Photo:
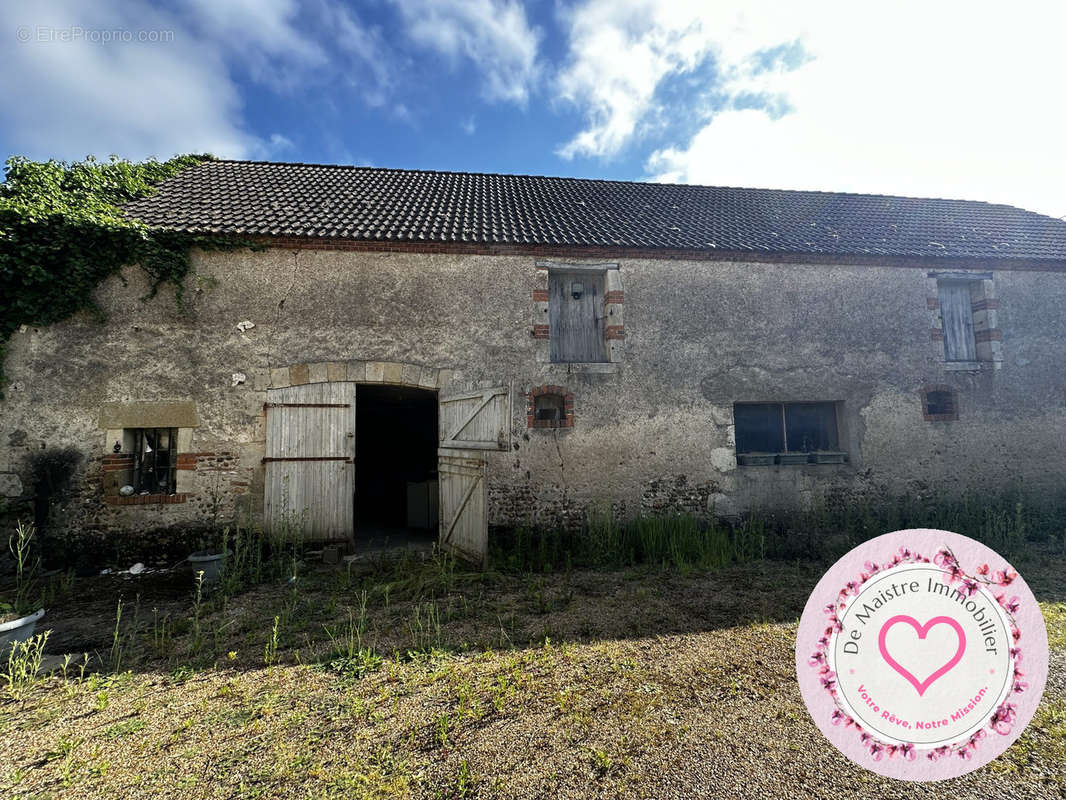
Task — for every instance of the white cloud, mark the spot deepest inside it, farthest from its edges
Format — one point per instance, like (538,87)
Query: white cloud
(493,34)
(371,65)
(69,97)
(953,98)
(622,51)
(267,33)
(72,98)
(279,143)
(946,100)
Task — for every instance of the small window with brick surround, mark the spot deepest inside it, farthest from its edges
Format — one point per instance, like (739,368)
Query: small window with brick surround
(939,404)
(146,461)
(550,407)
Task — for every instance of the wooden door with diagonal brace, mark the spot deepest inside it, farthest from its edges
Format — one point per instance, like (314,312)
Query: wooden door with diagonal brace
(470,424)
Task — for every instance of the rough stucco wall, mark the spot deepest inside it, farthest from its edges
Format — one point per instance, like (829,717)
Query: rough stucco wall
(654,435)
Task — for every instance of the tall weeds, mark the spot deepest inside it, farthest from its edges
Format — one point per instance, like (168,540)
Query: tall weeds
(23,664)
(1008,522)
(681,540)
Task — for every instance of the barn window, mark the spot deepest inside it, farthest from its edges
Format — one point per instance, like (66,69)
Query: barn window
(550,407)
(576,312)
(956,313)
(968,317)
(155,453)
(939,404)
(787,433)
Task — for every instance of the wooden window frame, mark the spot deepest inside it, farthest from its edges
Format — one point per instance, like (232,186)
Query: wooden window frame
(959,339)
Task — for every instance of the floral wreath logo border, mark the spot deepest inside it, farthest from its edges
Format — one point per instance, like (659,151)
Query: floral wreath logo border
(1002,719)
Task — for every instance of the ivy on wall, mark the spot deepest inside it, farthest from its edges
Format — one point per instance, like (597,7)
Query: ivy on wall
(62,233)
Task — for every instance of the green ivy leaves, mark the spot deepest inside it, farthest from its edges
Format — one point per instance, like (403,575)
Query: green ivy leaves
(63,232)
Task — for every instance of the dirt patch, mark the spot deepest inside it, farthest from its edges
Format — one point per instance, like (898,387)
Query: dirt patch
(421,680)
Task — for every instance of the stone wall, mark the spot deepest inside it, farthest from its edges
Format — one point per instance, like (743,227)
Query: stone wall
(652,429)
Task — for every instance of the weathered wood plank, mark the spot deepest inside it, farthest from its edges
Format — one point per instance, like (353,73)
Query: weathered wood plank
(475,420)
(310,454)
(576,324)
(469,421)
(956,311)
(463,505)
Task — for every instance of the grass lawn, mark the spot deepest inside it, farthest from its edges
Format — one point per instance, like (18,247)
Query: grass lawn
(416,679)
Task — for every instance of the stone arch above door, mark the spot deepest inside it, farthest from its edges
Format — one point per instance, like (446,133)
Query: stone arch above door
(391,372)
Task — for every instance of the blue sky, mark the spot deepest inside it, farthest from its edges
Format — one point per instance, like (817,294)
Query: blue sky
(945,99)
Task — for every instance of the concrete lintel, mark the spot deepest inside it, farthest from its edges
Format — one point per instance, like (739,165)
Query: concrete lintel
(568,267)
(149,414)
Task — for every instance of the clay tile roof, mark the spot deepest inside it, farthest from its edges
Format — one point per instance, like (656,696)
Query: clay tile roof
(369,203)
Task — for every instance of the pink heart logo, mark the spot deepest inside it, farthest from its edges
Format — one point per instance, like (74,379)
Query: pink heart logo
(921,630)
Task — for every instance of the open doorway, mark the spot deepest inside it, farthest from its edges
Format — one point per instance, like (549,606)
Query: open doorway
(396,491)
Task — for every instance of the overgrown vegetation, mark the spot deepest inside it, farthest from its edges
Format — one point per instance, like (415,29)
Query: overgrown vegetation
(62,232)
(23,665)
(1007,522)
(410,676)
(683,541)
(26,596)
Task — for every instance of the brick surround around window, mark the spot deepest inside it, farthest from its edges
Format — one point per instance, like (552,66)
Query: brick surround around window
(557,399)
(983,312)
(613,310)
(117,471)
(940,403)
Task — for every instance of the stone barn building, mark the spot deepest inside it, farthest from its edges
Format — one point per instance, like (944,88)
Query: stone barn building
(447,351)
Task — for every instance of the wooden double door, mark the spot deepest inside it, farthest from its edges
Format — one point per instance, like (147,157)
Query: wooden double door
(310,463)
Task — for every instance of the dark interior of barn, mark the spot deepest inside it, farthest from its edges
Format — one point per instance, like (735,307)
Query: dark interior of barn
(395,462)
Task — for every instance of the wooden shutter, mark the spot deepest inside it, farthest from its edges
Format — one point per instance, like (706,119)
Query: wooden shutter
(310,460)
(476,420)
(470,423)
(956,313)
(576,324)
